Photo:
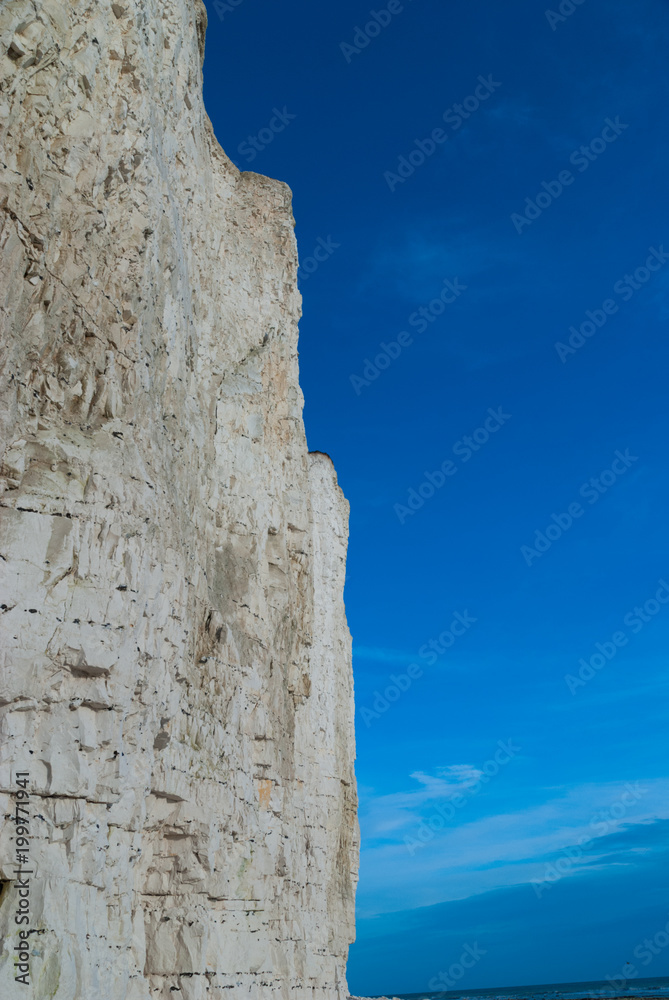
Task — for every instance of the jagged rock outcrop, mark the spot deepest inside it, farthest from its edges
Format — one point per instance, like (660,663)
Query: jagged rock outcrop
(174,658)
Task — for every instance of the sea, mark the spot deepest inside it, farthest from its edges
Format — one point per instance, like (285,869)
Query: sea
(643,988)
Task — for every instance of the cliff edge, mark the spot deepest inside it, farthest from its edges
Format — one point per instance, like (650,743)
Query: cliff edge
(175,665)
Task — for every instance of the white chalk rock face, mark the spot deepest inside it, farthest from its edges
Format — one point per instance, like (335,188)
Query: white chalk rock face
(175,665)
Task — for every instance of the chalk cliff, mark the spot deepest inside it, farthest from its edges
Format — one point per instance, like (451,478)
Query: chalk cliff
(175,665)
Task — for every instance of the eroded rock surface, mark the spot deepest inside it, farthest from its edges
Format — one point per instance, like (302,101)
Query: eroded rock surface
(174,658)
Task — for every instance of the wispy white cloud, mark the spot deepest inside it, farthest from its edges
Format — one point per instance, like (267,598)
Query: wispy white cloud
(395,814)
(468,856)
(390,815)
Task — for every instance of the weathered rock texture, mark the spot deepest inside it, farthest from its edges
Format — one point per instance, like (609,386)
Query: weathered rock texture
(175,662)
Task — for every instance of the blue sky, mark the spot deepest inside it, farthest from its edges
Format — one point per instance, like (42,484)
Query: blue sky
(505,173)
